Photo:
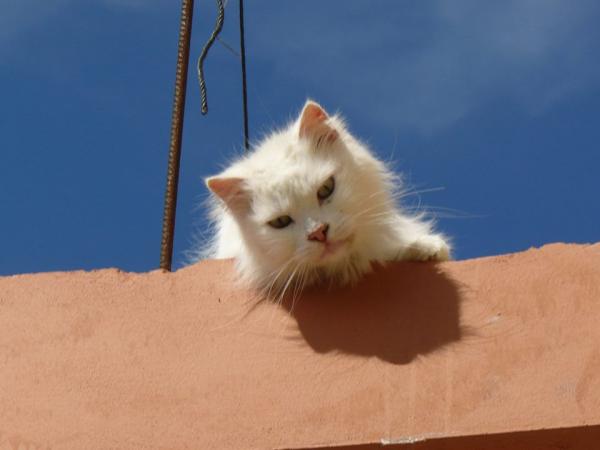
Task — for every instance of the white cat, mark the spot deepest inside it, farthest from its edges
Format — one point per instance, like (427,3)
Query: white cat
(312,202)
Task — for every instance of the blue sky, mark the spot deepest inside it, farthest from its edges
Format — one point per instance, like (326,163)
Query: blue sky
(491,108)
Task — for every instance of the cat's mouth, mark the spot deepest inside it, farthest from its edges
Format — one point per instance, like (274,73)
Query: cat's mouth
(333,248)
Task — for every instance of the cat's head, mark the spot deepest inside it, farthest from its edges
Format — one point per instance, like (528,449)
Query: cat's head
(305,199)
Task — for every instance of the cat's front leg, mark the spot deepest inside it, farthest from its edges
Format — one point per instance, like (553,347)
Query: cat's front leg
(428,247)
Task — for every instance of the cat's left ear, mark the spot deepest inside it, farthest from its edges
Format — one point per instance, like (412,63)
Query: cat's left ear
(231,190)
(314,124)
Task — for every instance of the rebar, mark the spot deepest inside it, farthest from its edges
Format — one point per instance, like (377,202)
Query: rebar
(183,53)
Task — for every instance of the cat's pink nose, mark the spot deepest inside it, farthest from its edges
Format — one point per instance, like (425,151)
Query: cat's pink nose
(319,234)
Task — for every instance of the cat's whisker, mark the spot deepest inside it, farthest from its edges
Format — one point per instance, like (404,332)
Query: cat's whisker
(383,205)
(300,287)
(381,214)
(365,212)
(273,281)
(421,191)
(269,280)
(279,272)
(279,299)
(435,210)
(297,286)
(360,213)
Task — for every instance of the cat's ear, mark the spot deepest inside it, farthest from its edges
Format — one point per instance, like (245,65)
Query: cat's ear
(231,190)
(314,124)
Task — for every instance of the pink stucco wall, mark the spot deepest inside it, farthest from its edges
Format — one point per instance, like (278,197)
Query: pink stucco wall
(416,352)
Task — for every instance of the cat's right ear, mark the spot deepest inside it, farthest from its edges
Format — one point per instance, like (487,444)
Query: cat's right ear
(231,190)
(314,123)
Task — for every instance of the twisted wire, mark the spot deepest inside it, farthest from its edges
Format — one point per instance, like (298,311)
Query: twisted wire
(205,49)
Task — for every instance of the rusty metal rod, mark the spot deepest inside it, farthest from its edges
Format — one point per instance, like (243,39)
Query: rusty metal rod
(183,55)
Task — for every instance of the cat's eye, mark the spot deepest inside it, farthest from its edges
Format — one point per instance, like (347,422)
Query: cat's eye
(326,189)
(280,222)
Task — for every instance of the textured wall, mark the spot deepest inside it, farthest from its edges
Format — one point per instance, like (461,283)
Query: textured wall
(108,359)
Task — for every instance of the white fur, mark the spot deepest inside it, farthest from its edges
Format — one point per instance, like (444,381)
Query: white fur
(281,177)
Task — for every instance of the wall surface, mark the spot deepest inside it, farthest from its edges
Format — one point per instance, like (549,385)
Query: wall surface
(496,348)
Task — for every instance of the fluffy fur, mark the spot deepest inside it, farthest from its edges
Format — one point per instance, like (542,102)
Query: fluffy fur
(336,238)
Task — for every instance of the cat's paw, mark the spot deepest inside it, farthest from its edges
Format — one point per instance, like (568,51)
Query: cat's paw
(431,247)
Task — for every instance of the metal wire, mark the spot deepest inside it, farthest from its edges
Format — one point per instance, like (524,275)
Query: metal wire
(244,91)
(209,43)
(228,47)
(183,54)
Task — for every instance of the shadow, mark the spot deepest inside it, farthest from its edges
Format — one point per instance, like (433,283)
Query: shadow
(395,313)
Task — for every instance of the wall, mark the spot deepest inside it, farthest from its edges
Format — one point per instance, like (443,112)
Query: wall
(496,348)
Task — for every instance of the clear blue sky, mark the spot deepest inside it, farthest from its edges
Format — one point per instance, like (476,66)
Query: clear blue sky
(498,103)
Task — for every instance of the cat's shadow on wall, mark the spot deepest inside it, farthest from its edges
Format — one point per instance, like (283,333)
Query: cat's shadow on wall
(396,313)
